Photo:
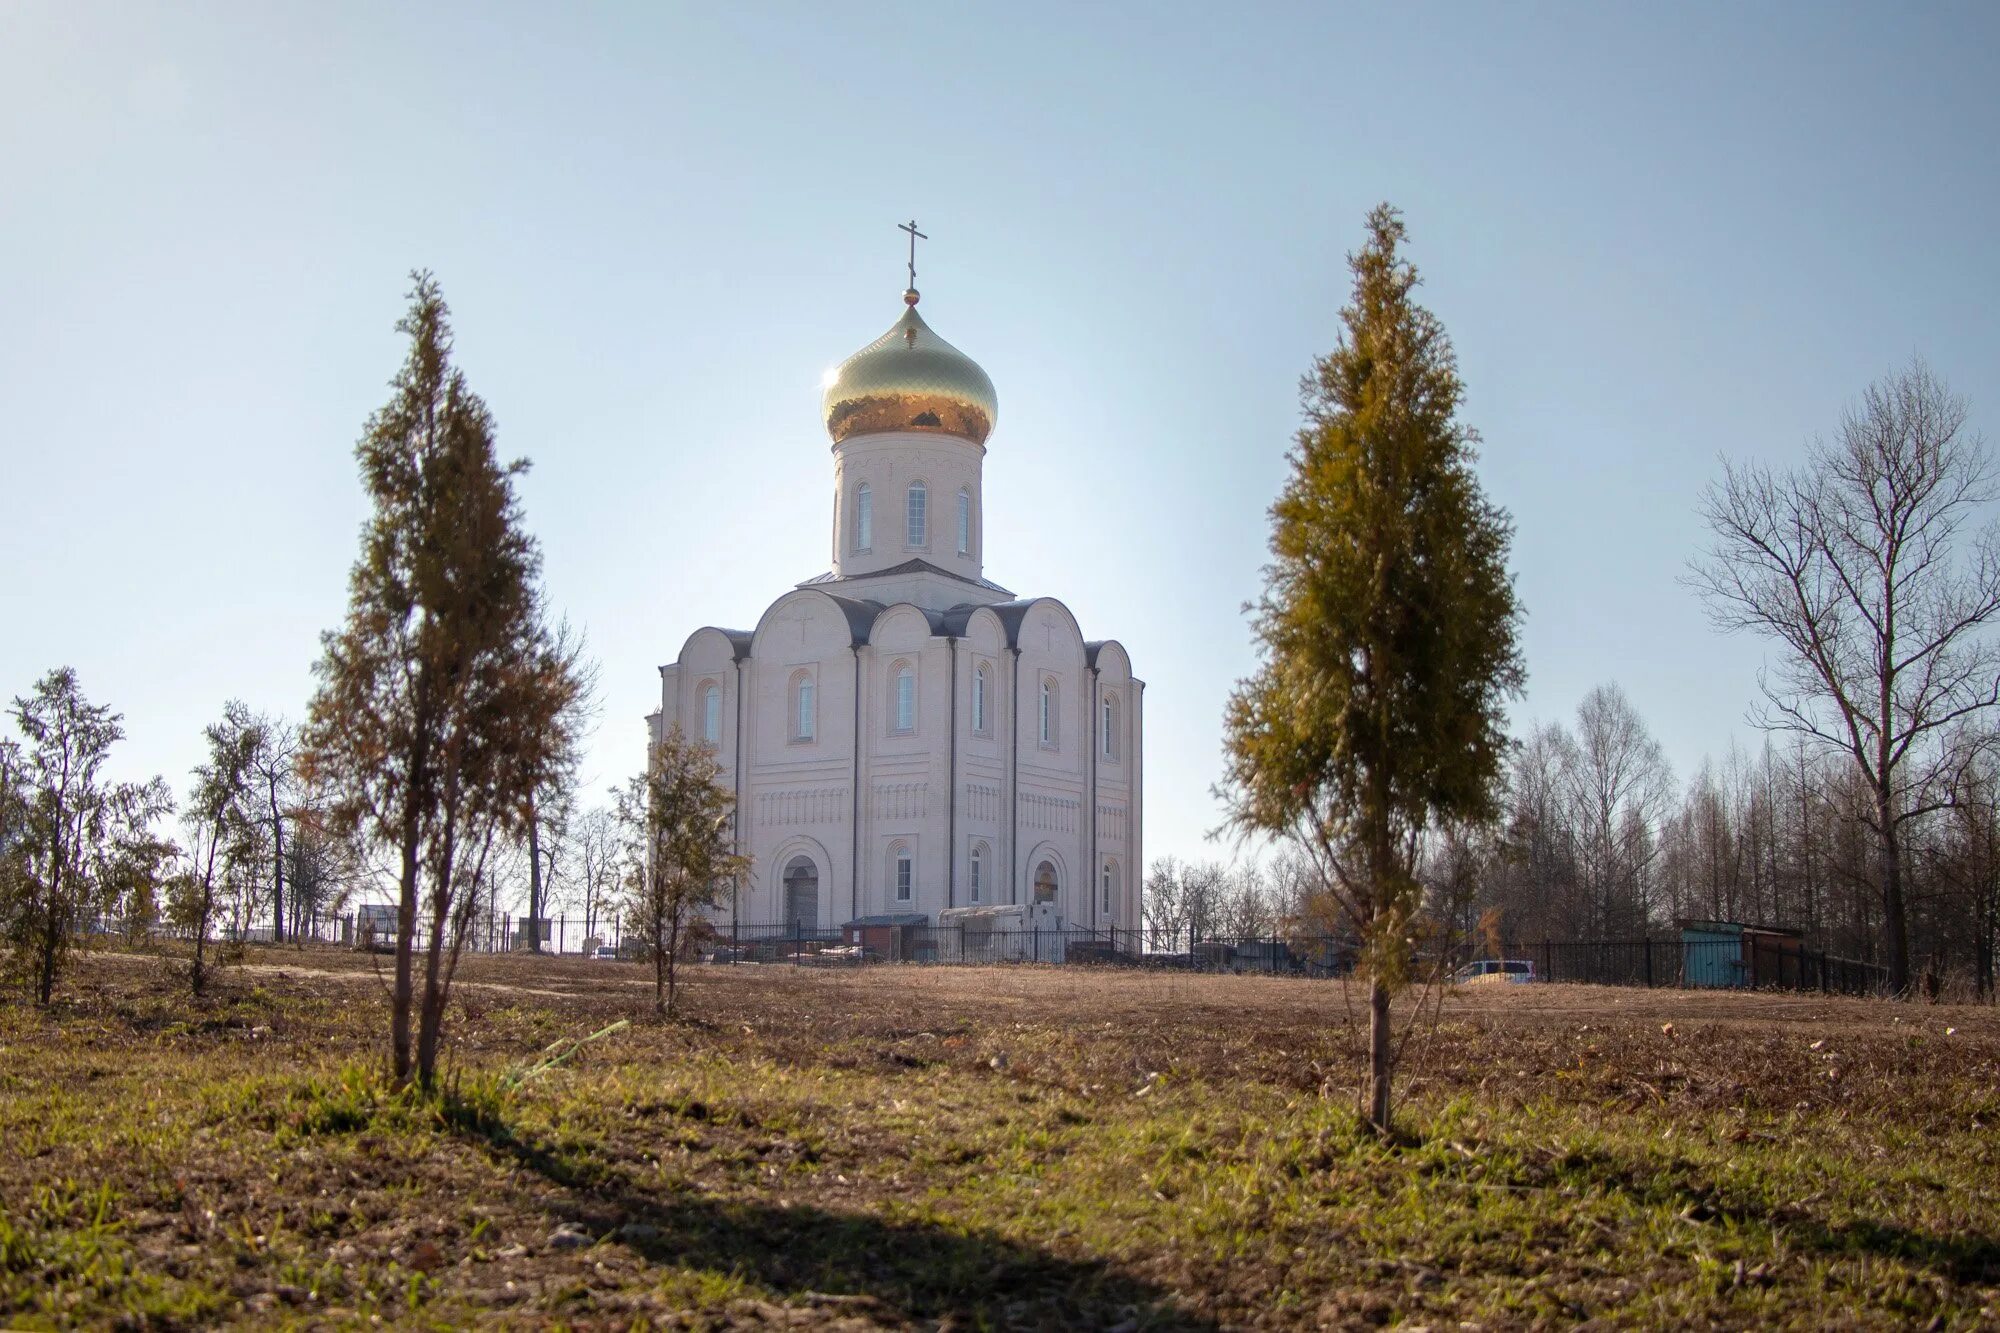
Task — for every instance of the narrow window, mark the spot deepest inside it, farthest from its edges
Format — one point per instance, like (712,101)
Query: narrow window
(711,714)
(906,699)
(978,871)
(965,522)
(864,518)
(979,699)
(1109,728)
(904,874)
(1048,712)
(804,730)
(1109,875)
(919,533)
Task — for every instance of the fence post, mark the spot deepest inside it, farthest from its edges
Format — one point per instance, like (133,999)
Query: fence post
(1649,964)
(1548,962)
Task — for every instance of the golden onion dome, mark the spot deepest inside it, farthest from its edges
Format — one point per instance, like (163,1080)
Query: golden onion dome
(910,379)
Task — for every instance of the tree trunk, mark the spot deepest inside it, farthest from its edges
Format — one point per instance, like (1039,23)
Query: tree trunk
(199,976)
(1378,1056)
(659,976)
(277,870)
(673,956)
(534,880)
(51,944)
(431,1020)
(1895,914)
(406,934)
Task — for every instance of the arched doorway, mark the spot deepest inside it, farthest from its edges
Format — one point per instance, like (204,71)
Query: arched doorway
(802,893)
(1045,882)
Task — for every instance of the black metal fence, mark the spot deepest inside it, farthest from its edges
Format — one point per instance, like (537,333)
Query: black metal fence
(1705,964)
(1753,963)
(1666,962)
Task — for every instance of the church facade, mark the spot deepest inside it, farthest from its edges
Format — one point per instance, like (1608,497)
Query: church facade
(904,735)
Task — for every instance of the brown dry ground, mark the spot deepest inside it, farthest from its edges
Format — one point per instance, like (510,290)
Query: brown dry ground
(981,1147)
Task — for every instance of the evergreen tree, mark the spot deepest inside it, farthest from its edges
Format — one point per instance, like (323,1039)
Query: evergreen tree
(677,850)
(445,699)
(1386,629)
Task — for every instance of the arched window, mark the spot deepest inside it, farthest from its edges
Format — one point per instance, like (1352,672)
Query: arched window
(1048,712)
(964,522)
(1108,725)
(905,697)
(711,713)
(905,868)
(803,702)
(979,698)
(864,518)
(1110,883)
(978,870)
(918,528)
(1045,882)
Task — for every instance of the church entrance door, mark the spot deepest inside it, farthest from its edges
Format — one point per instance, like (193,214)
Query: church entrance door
(802,893)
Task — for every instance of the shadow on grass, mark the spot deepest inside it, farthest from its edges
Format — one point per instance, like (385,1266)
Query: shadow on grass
(893,1271)
(1969,1259)
(1973,1260)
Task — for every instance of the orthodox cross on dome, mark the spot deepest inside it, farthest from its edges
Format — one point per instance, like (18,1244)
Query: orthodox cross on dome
(910,296)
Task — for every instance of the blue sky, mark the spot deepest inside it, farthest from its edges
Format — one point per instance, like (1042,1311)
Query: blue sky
(1656,234)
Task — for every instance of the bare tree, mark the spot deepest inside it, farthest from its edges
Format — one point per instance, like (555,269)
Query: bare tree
(273,771)
(1857,564)
(1620,789)
(1163,904)
(594,852)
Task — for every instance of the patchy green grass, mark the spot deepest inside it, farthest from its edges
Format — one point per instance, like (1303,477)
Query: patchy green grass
(985,1148)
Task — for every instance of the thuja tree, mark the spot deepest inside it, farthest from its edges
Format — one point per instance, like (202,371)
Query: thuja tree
(1386,630)
(676,820)
(445,699)
(74,845)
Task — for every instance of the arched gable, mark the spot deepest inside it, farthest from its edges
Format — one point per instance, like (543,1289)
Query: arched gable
(710,649)
(984,631)
(1113,663)
(805,625)
(903,628)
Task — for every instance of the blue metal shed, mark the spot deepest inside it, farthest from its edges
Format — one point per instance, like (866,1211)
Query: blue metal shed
(1712,954)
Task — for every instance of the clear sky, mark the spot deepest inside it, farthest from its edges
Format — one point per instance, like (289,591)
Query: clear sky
(1656,233)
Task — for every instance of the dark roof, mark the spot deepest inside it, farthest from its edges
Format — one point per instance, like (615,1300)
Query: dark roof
(918,566)
(891,919)
(860,614)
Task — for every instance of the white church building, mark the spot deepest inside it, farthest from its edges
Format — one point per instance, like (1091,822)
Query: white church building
(904,735)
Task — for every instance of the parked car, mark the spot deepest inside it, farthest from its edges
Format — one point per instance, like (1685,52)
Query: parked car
(1495,972)
(605,953)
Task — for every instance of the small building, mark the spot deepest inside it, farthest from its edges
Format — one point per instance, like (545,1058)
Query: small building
(375,926)
(1002,933)
(1733,955)
(889,936)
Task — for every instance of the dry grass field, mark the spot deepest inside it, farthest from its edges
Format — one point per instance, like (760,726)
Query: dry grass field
(968,1148)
